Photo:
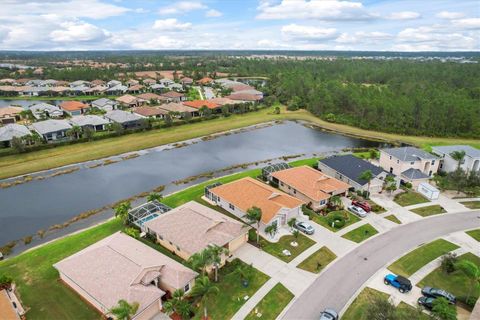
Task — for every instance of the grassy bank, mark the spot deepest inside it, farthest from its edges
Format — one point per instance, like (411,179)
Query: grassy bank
(19,164)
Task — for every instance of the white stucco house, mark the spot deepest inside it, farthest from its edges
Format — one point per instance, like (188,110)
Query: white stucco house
(471,161)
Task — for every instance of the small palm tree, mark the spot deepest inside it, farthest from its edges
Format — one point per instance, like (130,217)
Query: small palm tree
(124,310)
(335,201)
(245,271)
(178,305)
(472,271)
(200,260)
(291,222)
(254,215)
(367,175)
(271,230)
(121,211)
(154,196)
(216,253)
(458,156)
(205,290)
(75,132)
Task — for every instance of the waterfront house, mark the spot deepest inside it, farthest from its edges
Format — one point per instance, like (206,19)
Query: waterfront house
(52,130)
(104,104)
(94,122)
(74,108)
(116,90)
(178,109)
(198,104)
(10,114)
(173,96)
(238,196)
(471,161)
(129,101)
(44,110)
(12,130)
(150,112)
(128,120)
(122,268)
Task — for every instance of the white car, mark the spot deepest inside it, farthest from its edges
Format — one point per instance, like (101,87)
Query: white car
(358,211)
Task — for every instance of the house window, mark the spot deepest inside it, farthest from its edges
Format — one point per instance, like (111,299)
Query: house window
(294,191)
(231,206)
(391,170)
(289,188)
(322,202)
(186,288)
(433,162)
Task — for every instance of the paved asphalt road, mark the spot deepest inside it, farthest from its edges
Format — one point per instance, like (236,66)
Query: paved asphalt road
(334,287)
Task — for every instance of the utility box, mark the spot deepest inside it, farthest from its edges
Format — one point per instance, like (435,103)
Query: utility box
(428,191)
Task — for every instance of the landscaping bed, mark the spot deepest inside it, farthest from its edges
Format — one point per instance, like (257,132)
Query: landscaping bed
(409,198)
(276,248)
(471,204)
(361,233)
(318,260)
(456,282)
(429,210)
(340,219)
(231,291)
(416,259)
(272,304)
(393,218)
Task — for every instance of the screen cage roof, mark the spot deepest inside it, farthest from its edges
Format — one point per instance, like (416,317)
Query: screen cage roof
(146,212)
(274,168)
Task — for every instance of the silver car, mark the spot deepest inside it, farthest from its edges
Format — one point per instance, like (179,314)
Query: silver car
(305,227)
(358,211)
(329,314)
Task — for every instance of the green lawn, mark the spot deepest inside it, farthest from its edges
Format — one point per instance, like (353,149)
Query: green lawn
(429,210)
(230,298)
(415,260)
(318,260)
(456,282)
(312,162)
(38,284)
(409,198)
(358,308)
(393,218)
(475,234)
(471,204)
(276,248)
(323,220)
(272,304)
(361,233)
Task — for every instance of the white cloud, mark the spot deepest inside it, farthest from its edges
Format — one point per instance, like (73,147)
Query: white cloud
(434,38)
(182,7)
(467,23)
(404,15)
(78,32)
(450,15)
(364,37)
(313,9)
(159,42)
(212,13)
(308,33)
(171,25)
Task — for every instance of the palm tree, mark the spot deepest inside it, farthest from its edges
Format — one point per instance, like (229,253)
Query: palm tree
(75,132)
(271,229)
(216,253)
(245,271)
(472,271)
(291,222)
(178,305)
(124,310)
(200,260)
(154,196)
(335,201)
(389,184)
(254,215)
(121,211)
(368,176)
(205,290)
(458,156)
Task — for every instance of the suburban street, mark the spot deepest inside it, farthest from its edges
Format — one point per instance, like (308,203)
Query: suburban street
(337,284)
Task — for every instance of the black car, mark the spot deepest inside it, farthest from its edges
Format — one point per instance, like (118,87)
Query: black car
(426,302)
(438,293)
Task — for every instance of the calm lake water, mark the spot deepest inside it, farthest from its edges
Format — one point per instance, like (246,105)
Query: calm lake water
(27,208)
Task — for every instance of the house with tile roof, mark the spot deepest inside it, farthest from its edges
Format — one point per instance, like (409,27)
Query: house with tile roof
(173,96)
(411,164)
(150,112)
(128,120)
(238,196)
(43,109)
(198,104)
(471,161)
(130,101)
(120,267)
(309,185)
(74,108)
(193,227)
(348,168)
(10,114)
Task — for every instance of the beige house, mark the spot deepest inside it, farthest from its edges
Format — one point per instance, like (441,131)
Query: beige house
(120,267)
(238,196)
(309,185)
(193,227)
(409,164)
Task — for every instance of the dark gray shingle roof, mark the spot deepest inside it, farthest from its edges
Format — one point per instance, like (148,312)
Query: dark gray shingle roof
(409,154)
(351,167)
(414,174)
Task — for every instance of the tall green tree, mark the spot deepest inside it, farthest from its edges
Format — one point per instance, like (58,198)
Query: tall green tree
(204,290)
(177,304)
(74,132)
(472,272)
(154,196)
(124,310)
(121,211)
(458,156)
(216,253)
(254,216)
(443,310)
(200,261)
(367,175)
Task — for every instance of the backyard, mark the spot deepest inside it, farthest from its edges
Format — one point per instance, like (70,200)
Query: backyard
(361,233)
(318,260)
(409,198)
(416,259)
(272,304)
(429,210)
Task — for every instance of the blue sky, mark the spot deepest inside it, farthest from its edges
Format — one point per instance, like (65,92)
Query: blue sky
(420,25)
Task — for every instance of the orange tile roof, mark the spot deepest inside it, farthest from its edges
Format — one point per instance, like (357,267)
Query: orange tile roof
(312,183)
(200,103)
(247,192)
(73,105)
(205,80)
(172,94)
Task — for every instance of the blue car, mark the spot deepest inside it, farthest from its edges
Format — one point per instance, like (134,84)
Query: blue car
(402,283)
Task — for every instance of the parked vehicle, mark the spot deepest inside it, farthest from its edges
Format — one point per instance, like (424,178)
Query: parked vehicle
(426,302)
(305,227)
(329,314)
(439,293)
(402,283)
(362,204)
(358,211)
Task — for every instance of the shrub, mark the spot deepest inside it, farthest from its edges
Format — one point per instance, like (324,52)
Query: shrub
(27,240)
(448,262)
(337,220)
(133,232)
(408,185)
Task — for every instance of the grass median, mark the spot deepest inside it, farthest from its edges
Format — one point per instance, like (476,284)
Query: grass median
(272,304)
(361,233)
(318,260)
(429,210)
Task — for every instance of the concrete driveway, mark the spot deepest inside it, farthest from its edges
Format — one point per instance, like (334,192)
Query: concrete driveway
(338,283)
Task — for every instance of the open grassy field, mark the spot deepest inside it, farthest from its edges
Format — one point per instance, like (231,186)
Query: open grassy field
(272,304)
(416,259)
(19,164)
(276,248)
(409,198)
(318,260)
(456,282)
(361,233)
(429,210)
